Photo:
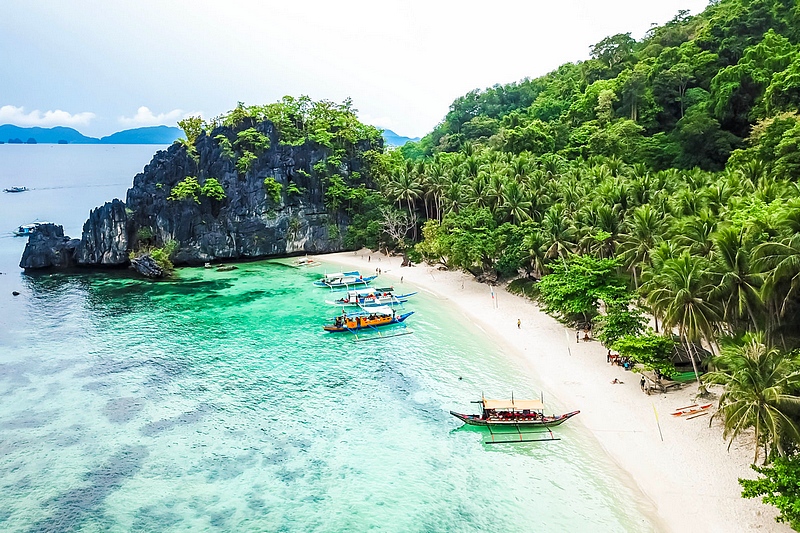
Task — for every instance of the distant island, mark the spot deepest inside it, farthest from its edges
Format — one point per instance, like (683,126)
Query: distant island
(64,135)
(148,135)
(393,139)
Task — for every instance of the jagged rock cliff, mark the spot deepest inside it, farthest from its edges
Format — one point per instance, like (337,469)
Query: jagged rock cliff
(48,247)
(246,223)
(105,236)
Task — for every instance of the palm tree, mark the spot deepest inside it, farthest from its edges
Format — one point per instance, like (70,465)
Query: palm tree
(695,233)
(759,393)
(738,285)
(406,188)
(647,229)
(783,261)
(515,202)
(557,232)
(535,245)
(681,291)
(453,198)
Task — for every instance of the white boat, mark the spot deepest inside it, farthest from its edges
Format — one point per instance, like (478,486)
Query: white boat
(305,262)
(16,189)
(372,297)
(28,229)
(343,280)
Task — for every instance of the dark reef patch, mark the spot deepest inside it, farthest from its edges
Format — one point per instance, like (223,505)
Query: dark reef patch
(70,510)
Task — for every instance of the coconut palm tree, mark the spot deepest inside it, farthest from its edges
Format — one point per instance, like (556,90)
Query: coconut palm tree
(558,232)
(681,292)
(782,261)
(695,233)
(535,245)
(406,188)
(647,229)
(515,204)
(760,384)
(737,283)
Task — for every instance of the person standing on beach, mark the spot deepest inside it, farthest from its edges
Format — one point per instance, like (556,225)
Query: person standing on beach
(577,336)
(641,383)
(519,324)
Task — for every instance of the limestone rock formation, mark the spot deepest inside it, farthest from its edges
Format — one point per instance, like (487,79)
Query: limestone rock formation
(251,219)
(105,236)
(48,247)
(147,266)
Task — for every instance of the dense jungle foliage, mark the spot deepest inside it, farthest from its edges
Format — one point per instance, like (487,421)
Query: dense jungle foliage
(333,130)
(660,176)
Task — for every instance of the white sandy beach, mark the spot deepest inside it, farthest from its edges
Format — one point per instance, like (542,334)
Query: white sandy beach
(690,476)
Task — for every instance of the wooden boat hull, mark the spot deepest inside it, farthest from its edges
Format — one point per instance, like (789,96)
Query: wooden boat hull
(375,302)
(348,284)
(545,422)
(357,325)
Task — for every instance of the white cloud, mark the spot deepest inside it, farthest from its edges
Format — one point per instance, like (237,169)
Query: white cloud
(10,114)
(145,117)
(379,121)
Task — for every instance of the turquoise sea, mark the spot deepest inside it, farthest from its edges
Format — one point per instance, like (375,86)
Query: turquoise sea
(215,402)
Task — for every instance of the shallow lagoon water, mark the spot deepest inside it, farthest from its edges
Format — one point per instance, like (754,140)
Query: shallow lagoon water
(216,402)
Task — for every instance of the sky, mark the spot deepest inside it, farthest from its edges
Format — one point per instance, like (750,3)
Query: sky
(102,66)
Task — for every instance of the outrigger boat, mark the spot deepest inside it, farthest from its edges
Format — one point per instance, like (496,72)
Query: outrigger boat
(28,229)
(306,262)
(372,297)
(344,280)
(370,319)
(691,410)
(514,414)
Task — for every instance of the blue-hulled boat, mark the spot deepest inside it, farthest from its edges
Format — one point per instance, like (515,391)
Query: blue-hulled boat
(366,319)
(372,297)
(344,280)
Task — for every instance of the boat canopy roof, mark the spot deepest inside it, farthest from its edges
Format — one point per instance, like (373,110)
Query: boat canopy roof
(516,405)
(377,310)
(336,275)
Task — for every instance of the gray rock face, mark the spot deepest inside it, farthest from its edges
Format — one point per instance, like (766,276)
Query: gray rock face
(49,248)
(105,236)
(247,223)
(147,267)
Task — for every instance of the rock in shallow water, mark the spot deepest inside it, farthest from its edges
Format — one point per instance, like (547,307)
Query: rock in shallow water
(147,266)
(47,247)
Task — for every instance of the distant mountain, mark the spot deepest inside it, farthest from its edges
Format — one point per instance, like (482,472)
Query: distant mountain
(149,135)
(64,135)
(9,132)
(390,138)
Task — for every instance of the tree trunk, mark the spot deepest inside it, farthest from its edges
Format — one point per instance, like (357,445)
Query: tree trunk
(692,358)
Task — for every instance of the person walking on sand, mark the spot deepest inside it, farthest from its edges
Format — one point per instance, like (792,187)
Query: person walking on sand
(577,336)
(519,324)
(641,383)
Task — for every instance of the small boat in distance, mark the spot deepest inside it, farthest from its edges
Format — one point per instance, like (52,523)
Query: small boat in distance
(306,262)
(344,280)
(367,319)
(15,189)
(513,413)
(372,297)
(28,229)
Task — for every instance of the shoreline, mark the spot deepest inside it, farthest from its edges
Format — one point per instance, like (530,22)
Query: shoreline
(681,466)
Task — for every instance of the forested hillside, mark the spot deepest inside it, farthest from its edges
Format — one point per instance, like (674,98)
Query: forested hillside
(657,177)
(685,96)
(681,146)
